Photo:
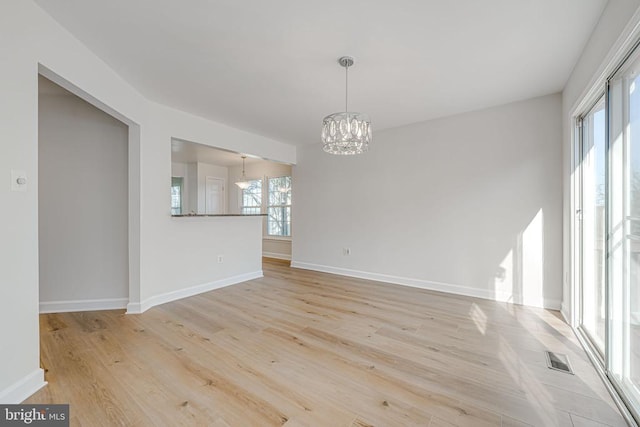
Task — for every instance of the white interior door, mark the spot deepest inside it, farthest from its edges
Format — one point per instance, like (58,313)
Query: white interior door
(214,195)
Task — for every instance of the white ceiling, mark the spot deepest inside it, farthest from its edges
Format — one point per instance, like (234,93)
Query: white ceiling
(181,151)
(271,66)
(191,152)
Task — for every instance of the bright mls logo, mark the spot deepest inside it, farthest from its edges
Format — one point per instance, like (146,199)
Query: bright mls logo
(34,415)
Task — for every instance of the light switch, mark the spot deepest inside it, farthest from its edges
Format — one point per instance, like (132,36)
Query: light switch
(18,180)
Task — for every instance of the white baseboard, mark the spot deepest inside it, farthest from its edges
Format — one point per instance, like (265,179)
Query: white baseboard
(137,308)
(83,305)
(276,255)
(565,312)
(22,389)
(427,284)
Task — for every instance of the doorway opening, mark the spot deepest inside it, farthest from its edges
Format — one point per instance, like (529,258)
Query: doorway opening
(79,219)
(82,204)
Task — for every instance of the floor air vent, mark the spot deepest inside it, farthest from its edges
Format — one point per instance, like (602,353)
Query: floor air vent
(558,362)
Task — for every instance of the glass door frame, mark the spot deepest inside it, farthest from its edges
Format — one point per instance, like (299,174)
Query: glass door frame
(578,229)
(601,360)
(621,50)
(619,383)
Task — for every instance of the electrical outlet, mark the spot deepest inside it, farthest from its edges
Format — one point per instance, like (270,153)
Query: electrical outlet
(346,251)
(220,259)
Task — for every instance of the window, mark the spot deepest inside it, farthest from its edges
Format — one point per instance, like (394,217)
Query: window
(252,198)
(276,199)
(177,184)
(279,213)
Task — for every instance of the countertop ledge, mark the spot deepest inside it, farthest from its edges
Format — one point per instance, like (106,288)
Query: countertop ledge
(212,215)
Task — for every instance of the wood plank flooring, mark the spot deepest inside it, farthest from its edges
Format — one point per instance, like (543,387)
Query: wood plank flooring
(301,348)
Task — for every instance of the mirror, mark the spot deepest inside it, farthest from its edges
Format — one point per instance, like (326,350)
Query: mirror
(203,182)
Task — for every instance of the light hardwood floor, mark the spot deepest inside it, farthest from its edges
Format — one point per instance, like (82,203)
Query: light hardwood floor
(301,348)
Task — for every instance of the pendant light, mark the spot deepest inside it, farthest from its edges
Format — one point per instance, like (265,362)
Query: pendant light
(244,184)
(346,133)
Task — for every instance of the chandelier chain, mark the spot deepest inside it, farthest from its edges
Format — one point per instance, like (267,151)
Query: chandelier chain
(346,91)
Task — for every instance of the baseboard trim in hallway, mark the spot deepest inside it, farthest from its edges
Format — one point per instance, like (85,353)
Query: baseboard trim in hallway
(83,305)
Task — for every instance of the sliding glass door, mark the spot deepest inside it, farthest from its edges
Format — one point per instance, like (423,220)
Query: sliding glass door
(607,229)
(591,217)
(624,229)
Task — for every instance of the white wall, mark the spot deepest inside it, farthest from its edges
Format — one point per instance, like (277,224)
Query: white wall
(178,169)
(191,186)
(83,212)
(30,41)
(593,60)
(200,241)
(273,247)
(468,204)
(276,248)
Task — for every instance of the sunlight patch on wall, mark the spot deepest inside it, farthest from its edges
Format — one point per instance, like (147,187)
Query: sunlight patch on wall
(533,262)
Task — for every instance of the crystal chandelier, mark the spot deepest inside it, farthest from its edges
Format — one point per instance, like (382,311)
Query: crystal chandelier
(346,132)
(244,184)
